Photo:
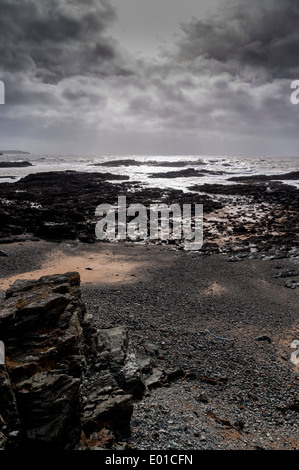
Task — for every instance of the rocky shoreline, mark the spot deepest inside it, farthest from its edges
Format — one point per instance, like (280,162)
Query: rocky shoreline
(249,217)
(189,350)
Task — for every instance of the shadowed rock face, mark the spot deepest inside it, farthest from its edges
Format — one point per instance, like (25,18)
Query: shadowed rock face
(63,382)
(9,419)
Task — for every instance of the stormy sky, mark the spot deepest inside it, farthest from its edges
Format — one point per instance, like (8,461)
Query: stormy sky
(150,77)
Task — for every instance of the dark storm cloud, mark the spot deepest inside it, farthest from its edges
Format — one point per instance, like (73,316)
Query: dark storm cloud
(55,39)
(226,79)
(258,36)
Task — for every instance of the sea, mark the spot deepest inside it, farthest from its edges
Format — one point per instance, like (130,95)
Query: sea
(142,169)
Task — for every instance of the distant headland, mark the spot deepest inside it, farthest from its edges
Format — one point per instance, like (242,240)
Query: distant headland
(13,152)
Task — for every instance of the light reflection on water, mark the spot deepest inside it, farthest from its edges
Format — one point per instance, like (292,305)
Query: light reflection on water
(230,166)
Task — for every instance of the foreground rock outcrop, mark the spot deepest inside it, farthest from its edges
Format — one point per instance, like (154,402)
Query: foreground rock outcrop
(65,384)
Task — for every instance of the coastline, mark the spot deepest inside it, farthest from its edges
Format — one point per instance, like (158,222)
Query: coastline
(231,393)
(220,322)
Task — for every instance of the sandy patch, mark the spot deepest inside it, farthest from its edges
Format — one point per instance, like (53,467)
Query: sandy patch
(104,268)
(214,289)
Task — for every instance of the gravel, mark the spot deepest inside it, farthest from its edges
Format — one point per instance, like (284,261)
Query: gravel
(207,318)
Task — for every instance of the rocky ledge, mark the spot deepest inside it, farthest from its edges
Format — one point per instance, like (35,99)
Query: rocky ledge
(253,216)
(61,205)
(65,384)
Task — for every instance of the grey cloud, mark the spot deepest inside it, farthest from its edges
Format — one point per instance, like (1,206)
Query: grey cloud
(225,81)
(55,39)
(259,35)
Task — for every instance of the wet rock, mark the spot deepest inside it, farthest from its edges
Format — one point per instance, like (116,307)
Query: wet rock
(39,206)
(117,163)
(49,205)
(187,173)
(293,175)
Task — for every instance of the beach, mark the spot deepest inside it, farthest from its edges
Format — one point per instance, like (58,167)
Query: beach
(209,333)
(225,327)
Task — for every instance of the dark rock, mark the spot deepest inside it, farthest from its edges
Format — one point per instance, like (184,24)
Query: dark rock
(263,338)
(9,420)
(131,162)
(117,163)
(156,379)
(14,164)
(287,273)
(146,365)
(187,173)
(274,229)
(14,152)
(174,374)
(202,397)
(233,259)
(293,175)
(115,352)
(179,164)
(61,205)
(56,205)
(43,338)
(63,380)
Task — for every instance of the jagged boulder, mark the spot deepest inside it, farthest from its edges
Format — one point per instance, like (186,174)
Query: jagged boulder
(65,383)
(40,325)
(9,419)
(114,381)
